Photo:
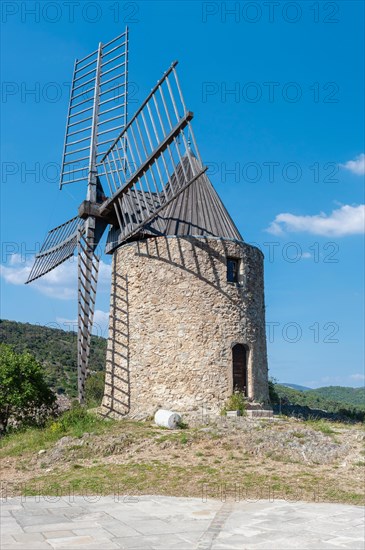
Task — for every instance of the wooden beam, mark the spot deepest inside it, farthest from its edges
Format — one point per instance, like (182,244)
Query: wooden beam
(146,165)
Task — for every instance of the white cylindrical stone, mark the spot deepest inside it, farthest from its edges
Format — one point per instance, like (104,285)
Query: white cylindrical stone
(167,419)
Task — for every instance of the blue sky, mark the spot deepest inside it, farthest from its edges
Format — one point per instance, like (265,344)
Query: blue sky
(277,91)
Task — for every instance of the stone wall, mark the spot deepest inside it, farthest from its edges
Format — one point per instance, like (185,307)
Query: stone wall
(173,321)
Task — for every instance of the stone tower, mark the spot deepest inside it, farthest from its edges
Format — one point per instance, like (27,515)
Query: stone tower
(187,314)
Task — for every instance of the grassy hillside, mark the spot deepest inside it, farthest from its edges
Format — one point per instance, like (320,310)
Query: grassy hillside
(348,401)
(55,349)
(340,394)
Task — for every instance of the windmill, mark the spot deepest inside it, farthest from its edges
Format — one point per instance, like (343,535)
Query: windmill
(144,164)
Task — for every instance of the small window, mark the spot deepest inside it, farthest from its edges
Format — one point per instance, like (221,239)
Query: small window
(232,270)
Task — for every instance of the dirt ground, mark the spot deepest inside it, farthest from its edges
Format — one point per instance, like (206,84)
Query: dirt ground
(226,458)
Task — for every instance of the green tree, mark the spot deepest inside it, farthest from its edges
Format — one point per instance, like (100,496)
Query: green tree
(95,389)
(273,395)
(24,393)
(55,349)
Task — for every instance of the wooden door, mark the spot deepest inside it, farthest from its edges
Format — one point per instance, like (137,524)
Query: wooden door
(239,358)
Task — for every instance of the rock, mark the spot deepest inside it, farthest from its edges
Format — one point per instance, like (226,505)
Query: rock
(64,441)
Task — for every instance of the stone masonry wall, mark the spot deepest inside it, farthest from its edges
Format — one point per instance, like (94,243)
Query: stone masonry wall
(173,321)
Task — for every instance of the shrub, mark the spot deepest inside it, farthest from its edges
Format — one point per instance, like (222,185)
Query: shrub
(236,402)
(25,397)
(77,421)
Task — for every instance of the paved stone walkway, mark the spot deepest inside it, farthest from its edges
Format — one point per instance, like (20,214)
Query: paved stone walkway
(176,523)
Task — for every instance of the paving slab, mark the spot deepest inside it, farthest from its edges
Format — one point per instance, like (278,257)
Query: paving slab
(29,537)
(88,542)
(166,523)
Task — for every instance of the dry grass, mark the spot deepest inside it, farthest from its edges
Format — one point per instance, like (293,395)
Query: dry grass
(251,459)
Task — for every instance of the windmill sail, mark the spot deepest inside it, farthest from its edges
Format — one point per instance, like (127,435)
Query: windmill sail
(59,245)
(97,108)
(139,166)
(97,112)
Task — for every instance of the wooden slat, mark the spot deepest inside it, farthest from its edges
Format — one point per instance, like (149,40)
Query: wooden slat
(86,303)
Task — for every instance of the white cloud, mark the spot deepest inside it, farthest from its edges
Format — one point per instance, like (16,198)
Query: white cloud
(14,259)
(357,376)
(18,271)
(101,317)
(59,283)
(100,324)
(356,166)
(346,220)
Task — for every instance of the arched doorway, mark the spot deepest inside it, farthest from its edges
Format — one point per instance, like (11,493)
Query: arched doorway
(239,360)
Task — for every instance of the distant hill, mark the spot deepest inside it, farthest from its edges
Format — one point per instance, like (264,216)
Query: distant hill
(349,397)
(341,394)
(55,349)
(295,386)
(331,399)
